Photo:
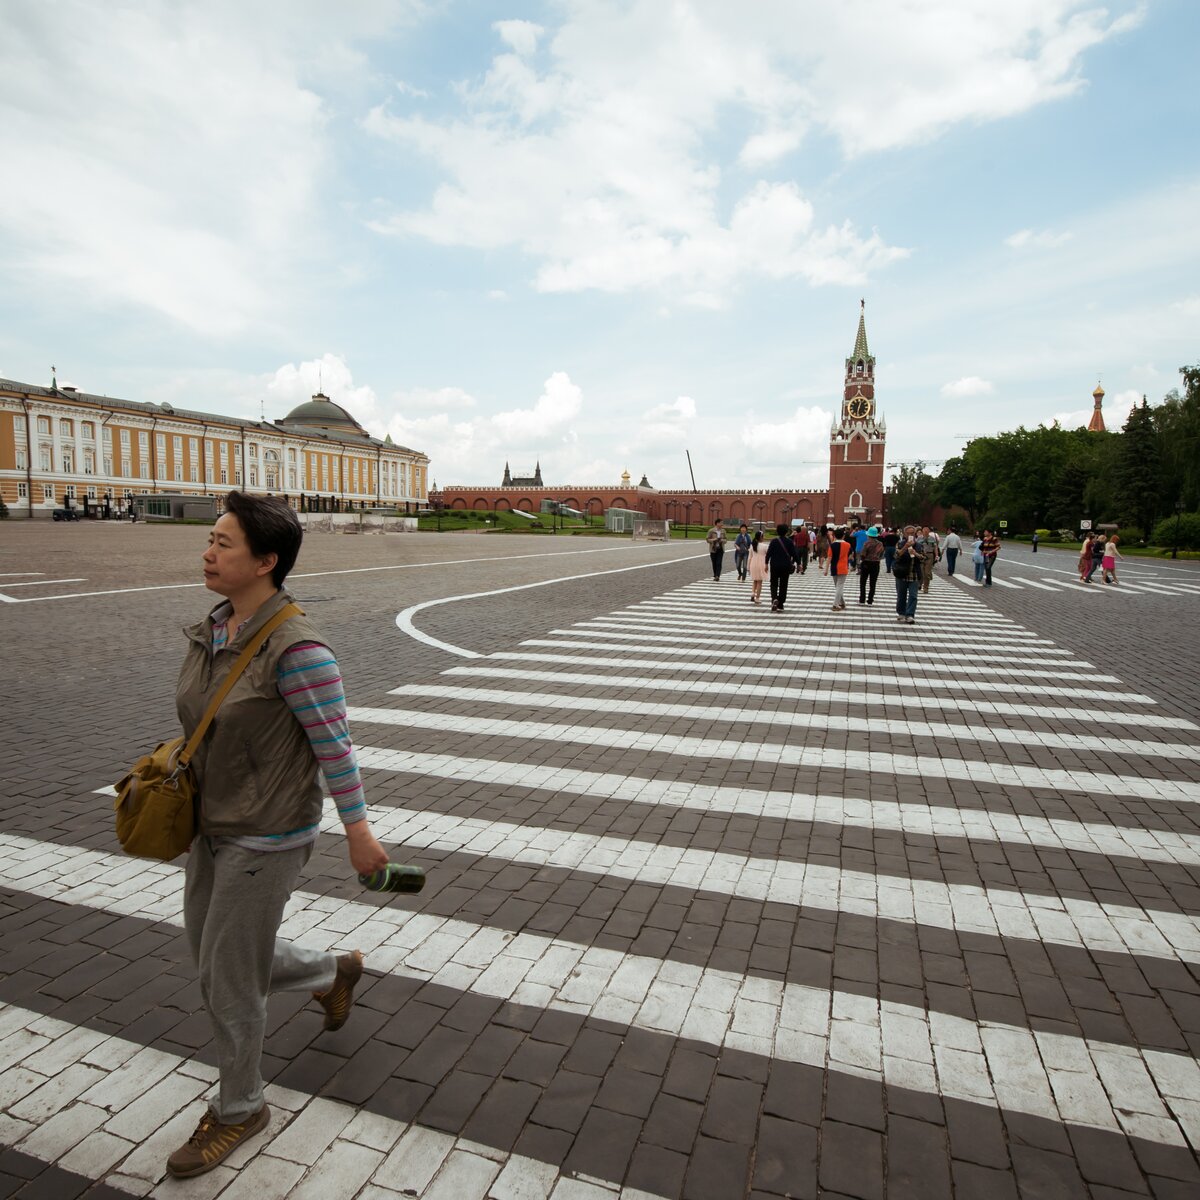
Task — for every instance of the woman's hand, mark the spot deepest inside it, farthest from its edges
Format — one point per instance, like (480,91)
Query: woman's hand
(366,854)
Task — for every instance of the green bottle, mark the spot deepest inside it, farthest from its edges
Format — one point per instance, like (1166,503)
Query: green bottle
(394,878)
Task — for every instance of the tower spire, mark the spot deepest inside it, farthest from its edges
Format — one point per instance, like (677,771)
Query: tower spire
(1096,424)
(860,342)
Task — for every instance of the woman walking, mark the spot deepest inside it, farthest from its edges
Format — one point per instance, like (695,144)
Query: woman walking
(977,556)
(757,567)
(1109,562)
(1085,560)
(823,548)
(259,769)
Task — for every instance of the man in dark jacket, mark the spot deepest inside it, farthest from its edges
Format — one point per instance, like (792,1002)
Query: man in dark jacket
(781,560)
(906,570)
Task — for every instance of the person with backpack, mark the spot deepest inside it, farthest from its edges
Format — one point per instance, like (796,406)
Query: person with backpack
(781,562)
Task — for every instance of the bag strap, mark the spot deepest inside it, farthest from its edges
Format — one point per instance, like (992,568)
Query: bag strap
(243,661)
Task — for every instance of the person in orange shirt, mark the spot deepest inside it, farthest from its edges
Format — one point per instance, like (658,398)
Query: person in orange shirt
(839,567)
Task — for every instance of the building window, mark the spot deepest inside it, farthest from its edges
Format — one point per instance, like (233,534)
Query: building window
(22,491)
(44,458)
(254,477)
(291,479)
(178,446)
(65,428)
(22,462)
(160,442)
(87,431)
(161,470)
(208,474)
(143,470)
(106,435)
(47,492)
(237,479)
(108,465)
(195,474)
(70,490)
(68,462)
(124,439)
(178,472)
(43,425)
(252,450)
(89,462)
(143,441)
(19,425)
(91,491)
(224,476)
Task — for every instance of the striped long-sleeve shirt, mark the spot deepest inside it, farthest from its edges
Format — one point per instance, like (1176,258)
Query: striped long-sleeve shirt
(310,683)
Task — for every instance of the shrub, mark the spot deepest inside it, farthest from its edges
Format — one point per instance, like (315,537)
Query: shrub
(1189,532)
(1043,534)
(3,511)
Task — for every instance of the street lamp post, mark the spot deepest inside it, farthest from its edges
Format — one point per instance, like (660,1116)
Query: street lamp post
(1178,514)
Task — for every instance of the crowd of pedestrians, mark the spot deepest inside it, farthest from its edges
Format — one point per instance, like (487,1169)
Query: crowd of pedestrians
(909,555)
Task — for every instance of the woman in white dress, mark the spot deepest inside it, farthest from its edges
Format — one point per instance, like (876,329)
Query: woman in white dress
(758,567)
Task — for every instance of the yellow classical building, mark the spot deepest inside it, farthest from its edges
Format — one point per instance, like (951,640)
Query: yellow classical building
(58,444)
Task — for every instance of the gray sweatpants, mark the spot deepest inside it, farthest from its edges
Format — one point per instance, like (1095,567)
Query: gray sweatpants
(233,905)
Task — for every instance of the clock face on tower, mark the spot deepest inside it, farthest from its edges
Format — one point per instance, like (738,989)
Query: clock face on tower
(859,407)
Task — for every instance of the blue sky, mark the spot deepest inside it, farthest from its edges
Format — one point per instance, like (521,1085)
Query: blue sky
(598,234)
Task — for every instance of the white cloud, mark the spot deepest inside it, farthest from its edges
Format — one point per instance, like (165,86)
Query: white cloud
(804,434)
(408,89)
(605,166)
(1045,239)
(172,154)
(969,385)
(522,36)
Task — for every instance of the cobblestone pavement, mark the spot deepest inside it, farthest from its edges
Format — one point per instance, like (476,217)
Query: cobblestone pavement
(721,903)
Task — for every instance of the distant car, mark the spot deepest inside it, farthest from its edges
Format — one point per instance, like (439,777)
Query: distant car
(66,514)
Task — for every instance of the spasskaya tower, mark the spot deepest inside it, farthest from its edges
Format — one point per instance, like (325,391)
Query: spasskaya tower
(857,441)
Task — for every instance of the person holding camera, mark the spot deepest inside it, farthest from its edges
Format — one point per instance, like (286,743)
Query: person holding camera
(906,571)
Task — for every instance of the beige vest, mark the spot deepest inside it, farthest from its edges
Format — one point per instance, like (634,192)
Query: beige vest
(255,769)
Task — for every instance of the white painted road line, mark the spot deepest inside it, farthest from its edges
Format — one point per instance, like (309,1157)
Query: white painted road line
(976,772)
(799,695)
(791,721)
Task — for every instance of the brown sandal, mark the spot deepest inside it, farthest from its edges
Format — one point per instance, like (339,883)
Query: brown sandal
(338,1001)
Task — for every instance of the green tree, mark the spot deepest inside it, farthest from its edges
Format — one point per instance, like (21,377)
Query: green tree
(1139,478)
(955,487)
(911,498)
(1177,422)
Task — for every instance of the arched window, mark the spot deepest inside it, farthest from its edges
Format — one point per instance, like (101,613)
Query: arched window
(860,366)
(855,500)
(271,469)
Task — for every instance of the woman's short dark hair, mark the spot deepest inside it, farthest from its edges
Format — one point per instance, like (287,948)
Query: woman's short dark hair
(271,527)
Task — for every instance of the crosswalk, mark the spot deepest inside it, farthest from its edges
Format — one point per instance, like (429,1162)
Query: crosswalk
(780,855)
(1058,579)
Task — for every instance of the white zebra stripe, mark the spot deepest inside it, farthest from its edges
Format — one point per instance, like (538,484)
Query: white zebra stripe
(890,681)
(775,655)
(1056,1076)
(814,696)
(847,639)
(878,762)
(791,721)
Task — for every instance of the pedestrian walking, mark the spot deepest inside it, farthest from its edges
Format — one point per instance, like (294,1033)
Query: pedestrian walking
(932,550)
(859,540)
(953,546)
(800,542)
(890,540)
(716,547)
(977,556)
(741,551)
(781,562)
(259,769)
(990,546)
(839,567)
(823,548)
(868,566)
(1097,555)
(757,566)
(906,571)
(1109,561)
(1035,541)
(1086,562)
